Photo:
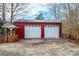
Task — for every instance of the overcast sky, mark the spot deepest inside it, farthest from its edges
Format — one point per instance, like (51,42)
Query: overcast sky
(35,7)
(38,7)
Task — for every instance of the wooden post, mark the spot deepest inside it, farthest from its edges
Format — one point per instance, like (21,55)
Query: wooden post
(10,31)
(5,34)
(14,32)
(5,30)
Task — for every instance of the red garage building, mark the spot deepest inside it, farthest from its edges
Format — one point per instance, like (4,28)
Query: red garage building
(38,29)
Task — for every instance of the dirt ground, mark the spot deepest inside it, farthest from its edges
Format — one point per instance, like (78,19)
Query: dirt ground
(52,47)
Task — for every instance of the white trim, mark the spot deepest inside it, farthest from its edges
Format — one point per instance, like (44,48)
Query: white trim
(50,21)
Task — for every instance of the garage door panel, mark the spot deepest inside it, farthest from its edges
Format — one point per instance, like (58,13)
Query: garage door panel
(37,32)
(32,32)
(51,32)
(28,31)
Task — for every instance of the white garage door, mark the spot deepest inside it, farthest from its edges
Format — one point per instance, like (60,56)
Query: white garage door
(51,31)
(33,31)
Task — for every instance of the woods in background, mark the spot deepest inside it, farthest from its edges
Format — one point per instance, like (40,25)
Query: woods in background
(71,23)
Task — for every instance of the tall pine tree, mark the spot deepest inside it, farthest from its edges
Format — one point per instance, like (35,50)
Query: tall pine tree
(40,17)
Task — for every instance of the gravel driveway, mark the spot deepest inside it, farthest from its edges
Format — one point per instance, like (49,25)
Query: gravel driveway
(38,48)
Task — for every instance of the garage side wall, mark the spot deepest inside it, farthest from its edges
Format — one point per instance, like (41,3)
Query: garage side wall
(20,30)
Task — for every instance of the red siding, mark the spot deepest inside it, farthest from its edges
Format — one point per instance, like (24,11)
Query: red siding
(42,31)
(20,30)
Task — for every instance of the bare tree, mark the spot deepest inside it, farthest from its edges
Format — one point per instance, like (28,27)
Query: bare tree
(58,10)
(16,8)
(53,9)
(12,11)
(3,13)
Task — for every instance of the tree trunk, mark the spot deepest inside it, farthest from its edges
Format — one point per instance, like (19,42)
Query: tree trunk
(3,12)
(12,11)
(55,10)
